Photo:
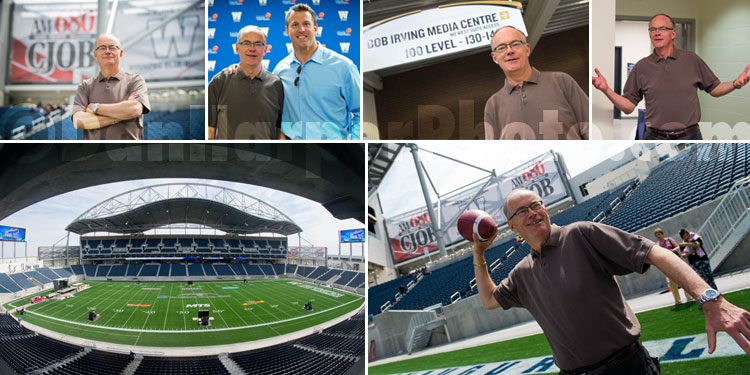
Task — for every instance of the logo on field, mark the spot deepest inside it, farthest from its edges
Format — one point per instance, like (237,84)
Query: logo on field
(343,15)
(236,16)
(252,303)
(197,305)
(344,47)
(137,305)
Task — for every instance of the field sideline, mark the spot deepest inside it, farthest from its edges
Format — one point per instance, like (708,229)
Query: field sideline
(669,322)
(161,313)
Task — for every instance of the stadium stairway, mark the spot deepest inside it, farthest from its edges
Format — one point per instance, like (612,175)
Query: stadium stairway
(133,365)
(230,365)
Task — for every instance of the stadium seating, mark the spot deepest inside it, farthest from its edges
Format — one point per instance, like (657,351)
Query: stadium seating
(706,171)
(48,273)
(223,270)
(89,269)
(208,269)
(9,284)
(25,354)
(22,280)
(267,269)
(317,272)
(134,269)
(38,277)
(291,269)
(358,281)
(178,269)
(183,365)
(195,269)
(165,269)
(102,270)
(382,293)
(345,278)
(118,270)
(149,270)
(238,269)
(94,362)
(253,270)
(304,271)
(77,269)
(331,273)
(279,269)
(64,272)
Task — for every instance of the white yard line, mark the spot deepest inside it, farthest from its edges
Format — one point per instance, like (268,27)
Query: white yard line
(193,330)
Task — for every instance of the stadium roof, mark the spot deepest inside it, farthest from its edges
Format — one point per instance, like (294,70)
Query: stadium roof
(331,174)
(206,205)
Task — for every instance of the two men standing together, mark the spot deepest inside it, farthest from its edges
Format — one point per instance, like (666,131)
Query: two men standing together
(312,94)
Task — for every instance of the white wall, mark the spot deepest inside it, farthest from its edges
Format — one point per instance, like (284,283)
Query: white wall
(724,44)
(369,116)
(602,57)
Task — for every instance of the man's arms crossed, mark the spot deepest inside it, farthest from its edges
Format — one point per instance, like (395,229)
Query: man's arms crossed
(108,114)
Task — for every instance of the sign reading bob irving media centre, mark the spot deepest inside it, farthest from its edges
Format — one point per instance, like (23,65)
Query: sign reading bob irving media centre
(432,33)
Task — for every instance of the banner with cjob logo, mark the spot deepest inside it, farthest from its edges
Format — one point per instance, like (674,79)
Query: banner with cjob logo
(338,29)
(411,234)
(53,42)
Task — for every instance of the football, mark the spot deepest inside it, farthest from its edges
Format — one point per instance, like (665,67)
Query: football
(476,221)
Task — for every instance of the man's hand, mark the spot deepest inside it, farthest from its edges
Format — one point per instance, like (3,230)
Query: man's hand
(599,81)
(724,316)
(481,246)
(743,79)
(231,69)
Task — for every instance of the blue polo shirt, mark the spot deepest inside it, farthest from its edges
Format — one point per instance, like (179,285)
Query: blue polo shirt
(325,102)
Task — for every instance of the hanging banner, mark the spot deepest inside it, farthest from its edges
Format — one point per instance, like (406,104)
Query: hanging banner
(411,233)
(54,42)
(432,33)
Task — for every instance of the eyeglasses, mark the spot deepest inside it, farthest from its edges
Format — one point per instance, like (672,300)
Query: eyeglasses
(502,48)
(661,29)
(296,80)
(246,44)
(522,212)
(105,48)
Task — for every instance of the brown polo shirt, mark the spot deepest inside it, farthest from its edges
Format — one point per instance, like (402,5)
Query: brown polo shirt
(113,90)
(670,88)
(570,289)
(245,108)
(550,105)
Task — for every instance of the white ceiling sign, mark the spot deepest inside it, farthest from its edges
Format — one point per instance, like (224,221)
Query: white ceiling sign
(436,32)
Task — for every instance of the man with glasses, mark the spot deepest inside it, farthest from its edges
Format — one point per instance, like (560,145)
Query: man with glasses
(321,87)
(668,79)
(246,105)
(532,104)
(112,104)
(567,283)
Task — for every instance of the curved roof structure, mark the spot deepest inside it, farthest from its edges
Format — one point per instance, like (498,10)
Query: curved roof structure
(204,205)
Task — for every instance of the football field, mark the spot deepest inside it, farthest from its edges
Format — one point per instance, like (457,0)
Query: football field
(162,313)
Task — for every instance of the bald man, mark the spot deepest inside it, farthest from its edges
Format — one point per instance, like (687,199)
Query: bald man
(112,104)
(532,104)
(669,80)
(568,284)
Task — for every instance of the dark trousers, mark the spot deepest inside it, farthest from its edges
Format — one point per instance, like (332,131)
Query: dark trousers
(639,362)
(694,136)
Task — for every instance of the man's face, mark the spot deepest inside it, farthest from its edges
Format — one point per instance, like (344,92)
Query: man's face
(512,59)
(301,30)
(685,236)
(105,53)
(535,225)
(251,54)
(661,39)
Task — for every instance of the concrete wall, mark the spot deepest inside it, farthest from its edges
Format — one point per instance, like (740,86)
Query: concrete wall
(468,318)
(738,259)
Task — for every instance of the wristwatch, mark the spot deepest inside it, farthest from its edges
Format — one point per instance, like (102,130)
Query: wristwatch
(95,107)
(708,295)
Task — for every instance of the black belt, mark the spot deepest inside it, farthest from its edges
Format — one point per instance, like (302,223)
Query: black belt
(608,363)
(672,134)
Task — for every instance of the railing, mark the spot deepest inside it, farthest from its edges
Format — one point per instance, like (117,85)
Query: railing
(727,224)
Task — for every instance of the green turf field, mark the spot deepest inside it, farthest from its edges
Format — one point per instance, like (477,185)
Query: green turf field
(241,312)
(674,321)
(24,300)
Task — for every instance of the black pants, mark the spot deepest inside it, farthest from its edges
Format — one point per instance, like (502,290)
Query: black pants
(639,362)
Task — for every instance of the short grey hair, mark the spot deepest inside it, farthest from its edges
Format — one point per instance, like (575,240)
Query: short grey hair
(119,43)
(523,36)
(661,14)
(251,28)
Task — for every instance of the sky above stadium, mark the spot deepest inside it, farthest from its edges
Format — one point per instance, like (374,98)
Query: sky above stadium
(400,190)
(45,221)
